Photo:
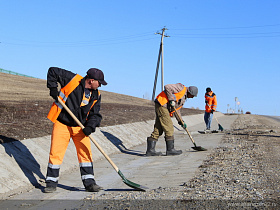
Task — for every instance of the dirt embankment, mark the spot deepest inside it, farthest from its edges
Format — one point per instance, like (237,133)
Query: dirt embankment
(25,103)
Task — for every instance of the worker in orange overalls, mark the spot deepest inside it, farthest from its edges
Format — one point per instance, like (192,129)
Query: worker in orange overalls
(210,107)
(82,97)
(173,97)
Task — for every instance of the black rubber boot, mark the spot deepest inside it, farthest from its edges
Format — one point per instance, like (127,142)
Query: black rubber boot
(93,188)
(170,146)
(50,187)
(151,144)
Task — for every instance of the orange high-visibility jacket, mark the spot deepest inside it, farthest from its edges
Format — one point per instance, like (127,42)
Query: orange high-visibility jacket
(163,99)
(210,102)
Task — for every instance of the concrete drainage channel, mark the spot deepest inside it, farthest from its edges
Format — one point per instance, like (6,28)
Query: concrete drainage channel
(24,163)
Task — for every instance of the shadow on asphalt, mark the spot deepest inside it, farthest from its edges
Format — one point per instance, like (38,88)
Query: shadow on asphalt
(65,187)
(120,190)
(119,144)
(256,133)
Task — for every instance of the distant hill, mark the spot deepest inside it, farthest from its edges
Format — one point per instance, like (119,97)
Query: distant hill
(25,103)
(20,88)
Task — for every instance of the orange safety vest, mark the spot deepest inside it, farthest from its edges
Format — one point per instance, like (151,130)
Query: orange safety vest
(162,98)
(85,101)
(63,95)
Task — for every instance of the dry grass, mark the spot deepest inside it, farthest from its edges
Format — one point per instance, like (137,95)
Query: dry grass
(15,88)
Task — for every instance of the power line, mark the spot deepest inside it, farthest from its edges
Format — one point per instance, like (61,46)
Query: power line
(228,28)
(244,35)
(86,44)
(93,42)
(235,34)
(149,36)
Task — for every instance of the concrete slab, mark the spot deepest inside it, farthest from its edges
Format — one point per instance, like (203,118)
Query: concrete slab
(24,163)
(153,172)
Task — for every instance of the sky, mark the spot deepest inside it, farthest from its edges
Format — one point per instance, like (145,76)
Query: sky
(232,46)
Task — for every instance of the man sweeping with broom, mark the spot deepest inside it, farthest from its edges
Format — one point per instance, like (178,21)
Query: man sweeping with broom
(173,97)
(81,95)
(210,107)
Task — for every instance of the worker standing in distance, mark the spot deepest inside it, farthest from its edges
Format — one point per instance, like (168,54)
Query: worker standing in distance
(173,97)
(210,107)
(81,96)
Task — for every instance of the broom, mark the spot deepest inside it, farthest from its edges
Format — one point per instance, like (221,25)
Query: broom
(220,126)
(125,180)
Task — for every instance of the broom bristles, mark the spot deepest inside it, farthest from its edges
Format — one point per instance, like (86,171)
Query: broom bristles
(221,127)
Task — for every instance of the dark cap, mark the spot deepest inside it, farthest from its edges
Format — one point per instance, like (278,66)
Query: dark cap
(96,74)
(208,89)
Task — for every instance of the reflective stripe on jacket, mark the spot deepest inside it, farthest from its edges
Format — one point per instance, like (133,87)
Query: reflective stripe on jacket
(210,102)
(88,114)
(63,95)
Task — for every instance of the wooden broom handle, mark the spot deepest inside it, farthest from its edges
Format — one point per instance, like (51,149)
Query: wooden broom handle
(177,114)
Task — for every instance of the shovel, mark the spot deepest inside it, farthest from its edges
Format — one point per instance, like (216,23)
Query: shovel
(126,181)
(220,126)
(198,148)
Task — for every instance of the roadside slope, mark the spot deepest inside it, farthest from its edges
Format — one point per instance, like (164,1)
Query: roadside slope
(24,163)
(25,103)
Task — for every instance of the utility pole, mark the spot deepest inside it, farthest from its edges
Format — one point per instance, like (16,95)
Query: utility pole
(235,99)
(160,56)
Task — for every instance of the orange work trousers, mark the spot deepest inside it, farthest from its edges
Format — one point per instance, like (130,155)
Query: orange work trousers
(60,139)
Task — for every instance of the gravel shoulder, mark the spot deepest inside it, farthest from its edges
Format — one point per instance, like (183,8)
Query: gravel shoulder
(242,173)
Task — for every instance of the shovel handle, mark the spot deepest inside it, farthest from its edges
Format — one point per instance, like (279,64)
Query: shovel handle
(216,119)
(90,136)
(176,113)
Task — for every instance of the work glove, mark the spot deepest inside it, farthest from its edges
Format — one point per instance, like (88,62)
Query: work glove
(87,131)
(54,93)
(172,103)
(183,125)
(212,111)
